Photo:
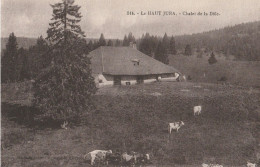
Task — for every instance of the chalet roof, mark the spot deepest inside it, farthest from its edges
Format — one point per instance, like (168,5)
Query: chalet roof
(119,61)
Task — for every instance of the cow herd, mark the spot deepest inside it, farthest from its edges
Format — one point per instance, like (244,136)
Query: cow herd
(107,157)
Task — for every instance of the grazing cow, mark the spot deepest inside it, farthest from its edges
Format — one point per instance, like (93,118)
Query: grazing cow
(113,158)
(197,110)
(175,126)
(98,155)
(249,164)
(141,158)
(211,165)
(128,159)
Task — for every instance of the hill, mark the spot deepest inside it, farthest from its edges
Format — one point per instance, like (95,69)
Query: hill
(243,73)
(242,40)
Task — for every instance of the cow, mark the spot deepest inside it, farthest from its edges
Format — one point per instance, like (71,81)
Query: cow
(211,165)
(249,164)
(197,110)
(113,158)
(141,158)
(128,159)
(97,155)
(175,126)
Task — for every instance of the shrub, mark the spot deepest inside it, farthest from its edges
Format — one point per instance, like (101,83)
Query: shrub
(189,77)
(223,78)
(212,59)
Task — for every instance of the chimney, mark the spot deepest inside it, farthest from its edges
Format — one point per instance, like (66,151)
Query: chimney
(132,45)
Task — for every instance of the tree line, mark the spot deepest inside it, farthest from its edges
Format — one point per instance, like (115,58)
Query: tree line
(20,64)
(241,41)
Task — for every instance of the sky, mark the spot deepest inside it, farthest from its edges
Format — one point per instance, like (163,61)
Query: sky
(30,18)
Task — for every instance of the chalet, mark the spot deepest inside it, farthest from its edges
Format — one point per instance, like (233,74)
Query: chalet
(127,66)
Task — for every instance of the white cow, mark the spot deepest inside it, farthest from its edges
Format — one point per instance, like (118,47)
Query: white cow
(211,165)
(96,154)
(197,110)
(249,164)
(128,158)
(175,126)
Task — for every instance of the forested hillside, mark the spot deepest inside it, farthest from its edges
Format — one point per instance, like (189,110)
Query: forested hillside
(242,41)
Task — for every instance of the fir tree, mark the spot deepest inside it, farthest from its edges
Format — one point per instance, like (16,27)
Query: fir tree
(9,60)
(63,91)
(65,19)
(172,48)
(118,43)
(130,38)
(166,42)
(146,45)
(102,41)
(161,53)
(90,46)
(25,66)
(212,59)
(38,60)
(125,41)
(188,51)
(110,43)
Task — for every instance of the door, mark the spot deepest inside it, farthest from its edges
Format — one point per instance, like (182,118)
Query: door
(140,79)
(117,80)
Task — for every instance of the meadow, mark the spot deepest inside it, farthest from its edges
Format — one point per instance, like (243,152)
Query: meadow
(134,118)
(242,73)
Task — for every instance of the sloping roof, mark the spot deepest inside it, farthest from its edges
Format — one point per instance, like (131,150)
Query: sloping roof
(120,61)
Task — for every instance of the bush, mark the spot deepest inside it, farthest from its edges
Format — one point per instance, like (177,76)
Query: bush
(189,77)
(223,78)
(212,59)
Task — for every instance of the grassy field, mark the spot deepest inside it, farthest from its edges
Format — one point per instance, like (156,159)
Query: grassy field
(243,73)
(135,118)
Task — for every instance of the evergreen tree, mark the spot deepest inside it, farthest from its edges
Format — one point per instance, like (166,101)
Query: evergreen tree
(166,42)
(153,42)
(102,41)
(146,45)
(161,53)
(25,66)
(90,46)
(130,38)
(65,26)
(188,51)
(110,43)
(172,48)
(63,90)
(125,41)
(118,43)
(212,59)
(95,45)
(38,60)
(9,60)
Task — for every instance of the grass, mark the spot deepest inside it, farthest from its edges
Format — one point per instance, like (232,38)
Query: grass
(243,73)
(135,118)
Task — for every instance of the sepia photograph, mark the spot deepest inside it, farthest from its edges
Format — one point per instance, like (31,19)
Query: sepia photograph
(130,83)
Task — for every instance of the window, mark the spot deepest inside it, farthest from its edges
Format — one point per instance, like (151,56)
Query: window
(136,62)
